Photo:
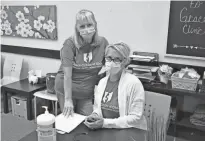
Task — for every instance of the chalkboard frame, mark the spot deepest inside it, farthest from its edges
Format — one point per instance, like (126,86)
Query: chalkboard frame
(183,56)
(167,54)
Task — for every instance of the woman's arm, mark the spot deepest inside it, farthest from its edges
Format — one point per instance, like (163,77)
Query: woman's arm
(67,62)
(68,82)
(96,105)
(67,54)
(136,108)
(68,102)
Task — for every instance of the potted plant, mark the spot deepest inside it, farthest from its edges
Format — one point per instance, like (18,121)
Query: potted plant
(164,72)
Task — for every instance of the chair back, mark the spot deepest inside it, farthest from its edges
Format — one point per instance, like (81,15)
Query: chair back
(12,68)
(157,102)
(156,111)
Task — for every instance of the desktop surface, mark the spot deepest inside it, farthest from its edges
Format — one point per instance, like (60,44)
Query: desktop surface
(82,133)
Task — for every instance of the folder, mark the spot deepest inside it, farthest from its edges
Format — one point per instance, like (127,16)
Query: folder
(67,125)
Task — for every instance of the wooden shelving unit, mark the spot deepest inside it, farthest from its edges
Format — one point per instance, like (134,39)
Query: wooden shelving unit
(182,119)
(185,122)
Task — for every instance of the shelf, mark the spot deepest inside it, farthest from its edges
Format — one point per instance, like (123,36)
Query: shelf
(168,90)
(186,123)
(190,134)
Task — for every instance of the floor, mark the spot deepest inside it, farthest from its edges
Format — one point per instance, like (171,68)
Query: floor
(14,128)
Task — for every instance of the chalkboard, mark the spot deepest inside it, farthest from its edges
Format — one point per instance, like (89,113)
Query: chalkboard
(186,34)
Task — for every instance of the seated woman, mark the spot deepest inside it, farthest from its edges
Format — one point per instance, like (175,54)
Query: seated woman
(119,97)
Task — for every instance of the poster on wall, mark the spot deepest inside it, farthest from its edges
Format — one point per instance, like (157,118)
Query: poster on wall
(38,22)
(186,36)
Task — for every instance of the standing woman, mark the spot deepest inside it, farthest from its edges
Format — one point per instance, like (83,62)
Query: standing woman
(82,58)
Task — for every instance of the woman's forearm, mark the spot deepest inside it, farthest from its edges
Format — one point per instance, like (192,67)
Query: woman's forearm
(68,87)
(121,122)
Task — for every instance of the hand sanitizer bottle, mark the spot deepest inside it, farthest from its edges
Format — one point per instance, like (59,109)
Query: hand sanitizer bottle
(45,126)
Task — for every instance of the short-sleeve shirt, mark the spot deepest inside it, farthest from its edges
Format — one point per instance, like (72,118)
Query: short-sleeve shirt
(86,62)
(109,102)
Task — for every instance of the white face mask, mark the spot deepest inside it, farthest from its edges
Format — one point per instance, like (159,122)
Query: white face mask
(112,67)
(89,30)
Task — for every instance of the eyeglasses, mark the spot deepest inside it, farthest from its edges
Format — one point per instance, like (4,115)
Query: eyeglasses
(115,60)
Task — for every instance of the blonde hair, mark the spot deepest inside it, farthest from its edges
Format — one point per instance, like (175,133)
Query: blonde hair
(123,49)
(81,16)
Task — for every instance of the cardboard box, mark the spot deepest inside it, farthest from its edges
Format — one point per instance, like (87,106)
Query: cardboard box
(19,107)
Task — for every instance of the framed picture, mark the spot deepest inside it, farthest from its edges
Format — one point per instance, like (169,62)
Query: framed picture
(37,22)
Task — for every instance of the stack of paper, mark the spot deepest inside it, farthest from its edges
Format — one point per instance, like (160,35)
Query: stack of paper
(65,124)
(143,72)
(143,68)
(142,58)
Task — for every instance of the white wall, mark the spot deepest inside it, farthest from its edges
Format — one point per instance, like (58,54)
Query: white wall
(143,25)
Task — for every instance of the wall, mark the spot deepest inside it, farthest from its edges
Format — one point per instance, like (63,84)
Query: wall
(143,25)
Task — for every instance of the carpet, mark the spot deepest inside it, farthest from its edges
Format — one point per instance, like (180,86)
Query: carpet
(14,128)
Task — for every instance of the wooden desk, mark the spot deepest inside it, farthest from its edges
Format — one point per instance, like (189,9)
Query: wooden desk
(99,135)
(21,88)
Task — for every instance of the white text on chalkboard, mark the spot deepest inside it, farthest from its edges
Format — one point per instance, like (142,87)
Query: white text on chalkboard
(187,18)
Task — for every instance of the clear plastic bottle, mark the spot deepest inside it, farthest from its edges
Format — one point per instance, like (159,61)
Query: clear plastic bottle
(45,126)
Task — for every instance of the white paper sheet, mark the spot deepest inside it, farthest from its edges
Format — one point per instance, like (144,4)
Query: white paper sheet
(68,124)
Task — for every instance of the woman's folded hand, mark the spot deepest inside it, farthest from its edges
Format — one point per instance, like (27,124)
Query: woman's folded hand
(94,121)
(92,117)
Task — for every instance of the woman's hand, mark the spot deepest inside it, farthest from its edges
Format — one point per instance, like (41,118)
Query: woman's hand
(68,108)
(91,118)
(94,121)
